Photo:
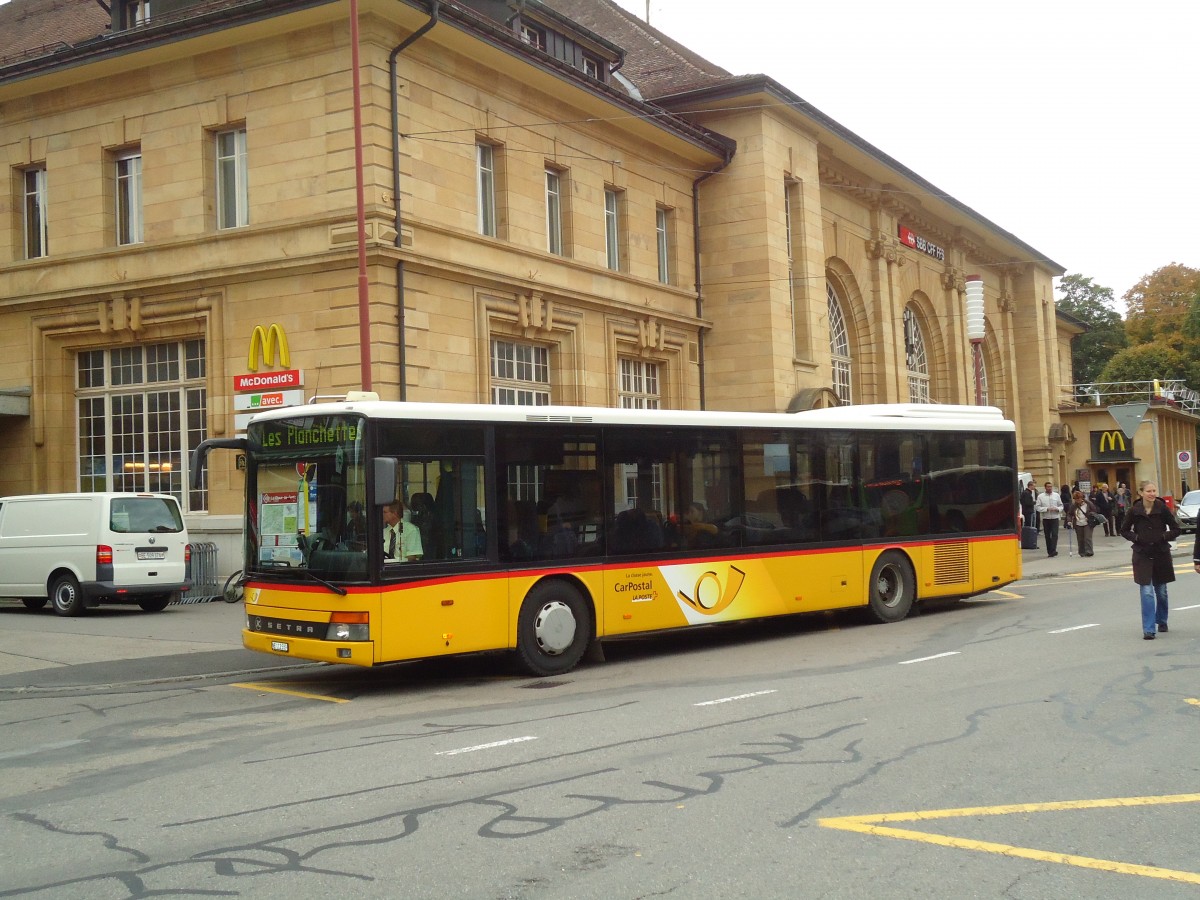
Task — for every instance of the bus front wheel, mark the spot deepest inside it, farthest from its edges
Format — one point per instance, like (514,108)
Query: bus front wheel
(893,587)
(553,630)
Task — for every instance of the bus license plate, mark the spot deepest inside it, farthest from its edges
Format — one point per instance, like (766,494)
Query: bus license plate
(152,554)
(281,646)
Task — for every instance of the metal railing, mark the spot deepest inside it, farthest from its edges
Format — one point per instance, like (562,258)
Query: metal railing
(1165,392)
(205,577)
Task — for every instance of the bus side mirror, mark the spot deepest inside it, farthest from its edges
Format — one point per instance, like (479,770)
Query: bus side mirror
(385,472)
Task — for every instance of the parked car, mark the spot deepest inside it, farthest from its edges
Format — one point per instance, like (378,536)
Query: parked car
(1188,509)
(80,550)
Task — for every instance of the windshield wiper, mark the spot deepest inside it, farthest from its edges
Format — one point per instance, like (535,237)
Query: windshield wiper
(341,592)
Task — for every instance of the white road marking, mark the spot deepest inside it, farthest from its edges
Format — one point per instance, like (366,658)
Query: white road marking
(1074,628)
(927,658)
(485,746)
(731,699)
(1193,606)
(33,751)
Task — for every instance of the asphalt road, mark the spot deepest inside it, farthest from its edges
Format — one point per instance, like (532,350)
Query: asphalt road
(1027,744)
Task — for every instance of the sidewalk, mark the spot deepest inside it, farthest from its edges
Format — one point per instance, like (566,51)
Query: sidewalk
(1110,553)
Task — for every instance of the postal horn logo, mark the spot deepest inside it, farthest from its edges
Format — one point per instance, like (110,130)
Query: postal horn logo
(263,345)
(710,596)
(1112,440)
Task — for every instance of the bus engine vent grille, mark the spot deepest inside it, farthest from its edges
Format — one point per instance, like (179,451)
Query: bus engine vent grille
(951,563)
(534,417)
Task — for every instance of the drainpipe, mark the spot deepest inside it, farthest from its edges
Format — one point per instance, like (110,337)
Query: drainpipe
(395,94)
(696,263)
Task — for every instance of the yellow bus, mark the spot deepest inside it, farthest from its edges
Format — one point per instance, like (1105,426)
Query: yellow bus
(386,531)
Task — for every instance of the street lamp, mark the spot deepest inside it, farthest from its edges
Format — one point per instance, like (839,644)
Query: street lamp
(976,330)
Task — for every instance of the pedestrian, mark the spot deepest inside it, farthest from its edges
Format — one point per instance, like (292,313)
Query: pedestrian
(1120,504)
(1050,507)
(1150,527)
(1102,499)
(1082,511)
(1028,502)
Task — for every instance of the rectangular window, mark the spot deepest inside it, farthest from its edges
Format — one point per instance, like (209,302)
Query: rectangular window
(639,385)
(233,193)
(591,67)
(520,374)
(137,12)
(612,228)
(556,181)
(534,36)
(142,410)
(662,234)
(34,206)
(486,188)
(129,197)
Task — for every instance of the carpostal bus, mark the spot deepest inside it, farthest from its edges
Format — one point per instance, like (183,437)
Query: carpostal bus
(541,530)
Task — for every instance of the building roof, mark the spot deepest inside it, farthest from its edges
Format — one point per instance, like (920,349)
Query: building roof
(29,27)
(656,63)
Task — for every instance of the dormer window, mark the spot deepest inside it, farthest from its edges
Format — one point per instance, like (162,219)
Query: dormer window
(137,12)
(591,67)
(534,36)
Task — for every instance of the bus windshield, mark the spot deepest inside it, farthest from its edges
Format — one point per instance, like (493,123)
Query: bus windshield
(306,485)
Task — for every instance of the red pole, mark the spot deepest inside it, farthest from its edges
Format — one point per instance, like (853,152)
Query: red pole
(364,297)
(977,352)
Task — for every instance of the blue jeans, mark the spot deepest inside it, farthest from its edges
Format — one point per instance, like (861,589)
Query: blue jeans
(1154,606)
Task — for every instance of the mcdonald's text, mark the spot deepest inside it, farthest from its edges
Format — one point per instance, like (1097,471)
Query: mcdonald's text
(259,381)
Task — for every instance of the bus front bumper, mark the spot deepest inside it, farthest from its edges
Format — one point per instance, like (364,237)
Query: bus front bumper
(355,653)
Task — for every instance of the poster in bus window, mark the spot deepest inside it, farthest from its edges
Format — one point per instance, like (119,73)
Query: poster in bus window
(280,514)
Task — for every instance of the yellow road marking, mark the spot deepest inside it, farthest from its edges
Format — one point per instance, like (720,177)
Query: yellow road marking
(258,686)
(870,825)
(1009,594)
(1191,701)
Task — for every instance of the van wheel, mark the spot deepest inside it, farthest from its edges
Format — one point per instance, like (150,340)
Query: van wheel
(68,598)
(893,587)
(155,604)
(34,602)
(553,629)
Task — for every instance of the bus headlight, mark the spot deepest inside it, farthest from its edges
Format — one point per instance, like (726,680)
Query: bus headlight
(348,626)
(347,631)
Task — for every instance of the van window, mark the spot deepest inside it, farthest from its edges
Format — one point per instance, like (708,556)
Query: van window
(141,515)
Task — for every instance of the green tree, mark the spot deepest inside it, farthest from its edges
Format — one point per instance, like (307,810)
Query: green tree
(1095,307)
(1145,362)
(1157,307)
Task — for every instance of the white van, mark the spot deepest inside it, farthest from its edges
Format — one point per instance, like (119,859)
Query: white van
(81,550)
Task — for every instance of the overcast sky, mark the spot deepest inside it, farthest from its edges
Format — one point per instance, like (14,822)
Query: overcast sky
(1072,124)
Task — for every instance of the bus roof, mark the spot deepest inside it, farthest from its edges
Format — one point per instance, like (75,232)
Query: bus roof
(884,416)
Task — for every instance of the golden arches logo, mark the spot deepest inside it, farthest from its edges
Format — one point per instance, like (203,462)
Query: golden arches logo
(1112,440)
(263,344)
(709,596)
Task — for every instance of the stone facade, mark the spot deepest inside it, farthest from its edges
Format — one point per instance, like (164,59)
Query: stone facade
(770,210)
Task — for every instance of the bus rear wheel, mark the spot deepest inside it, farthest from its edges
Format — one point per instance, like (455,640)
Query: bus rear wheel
(893,587)
(553,629)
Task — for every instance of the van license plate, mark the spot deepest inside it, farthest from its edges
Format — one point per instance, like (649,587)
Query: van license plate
(152,554)
(281,646)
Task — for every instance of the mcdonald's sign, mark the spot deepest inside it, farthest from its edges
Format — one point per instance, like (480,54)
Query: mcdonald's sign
(263,343)
(268,347)
(1110,445)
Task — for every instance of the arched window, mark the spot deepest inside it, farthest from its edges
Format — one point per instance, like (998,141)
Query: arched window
(918,362)
(983,384)
(839,347)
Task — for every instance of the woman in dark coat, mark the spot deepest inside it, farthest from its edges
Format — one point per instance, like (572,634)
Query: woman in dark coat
(1150,527)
